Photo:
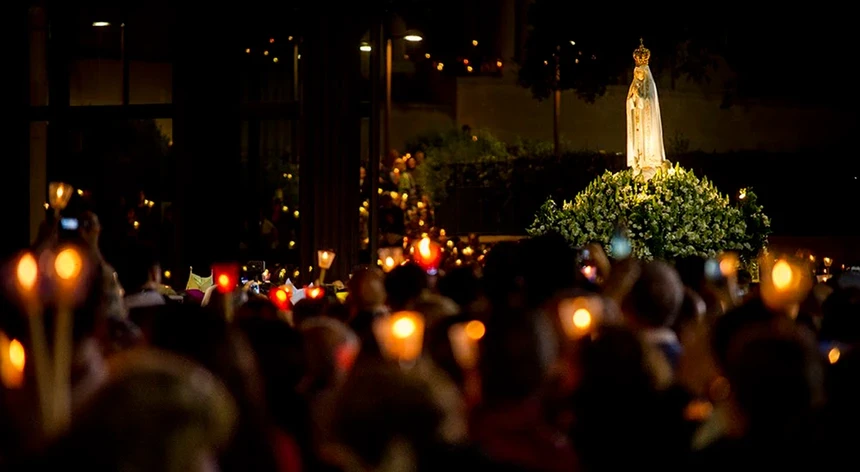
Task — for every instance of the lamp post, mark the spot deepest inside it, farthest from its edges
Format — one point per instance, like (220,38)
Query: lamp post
(413,37)
(124,65)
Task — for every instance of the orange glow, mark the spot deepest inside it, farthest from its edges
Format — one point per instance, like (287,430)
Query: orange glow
(427,254)
(280,297)
(17,357)
(12,361)
(582,318)
(729,265)
(834,355)
(28,271)
(475,330)
(224,281)
(782,275)
(589,272)
(424,248)
(580,315)
(403,328)
(401,335)
(315,292)
(68,264)
(226,276)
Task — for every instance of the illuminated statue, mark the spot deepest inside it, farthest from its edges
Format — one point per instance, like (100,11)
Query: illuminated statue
(645,153)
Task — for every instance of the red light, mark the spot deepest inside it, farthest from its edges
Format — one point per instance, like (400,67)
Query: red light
(427,254)
(281,298)
(226,276)
(315,292)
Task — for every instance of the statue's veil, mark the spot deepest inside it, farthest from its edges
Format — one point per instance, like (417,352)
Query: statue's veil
(650,133)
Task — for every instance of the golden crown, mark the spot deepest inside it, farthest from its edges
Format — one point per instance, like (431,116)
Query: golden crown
(642,54)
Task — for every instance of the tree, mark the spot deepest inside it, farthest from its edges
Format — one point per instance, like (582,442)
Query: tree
(793,57)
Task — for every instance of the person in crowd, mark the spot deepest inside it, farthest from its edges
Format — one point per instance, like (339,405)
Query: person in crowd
(154,412)
(404,286)
(652,306)
(776,380)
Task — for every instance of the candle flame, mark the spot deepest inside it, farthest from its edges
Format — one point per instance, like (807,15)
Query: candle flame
(224,281)
(27,271)
(782,275)
(17,356)
(833,355)
(68,264)
(389,262)
(424,248)
(403,328)
(60,192)
(475,330)
(582,318)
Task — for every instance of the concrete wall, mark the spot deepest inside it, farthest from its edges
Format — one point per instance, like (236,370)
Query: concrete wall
(509,111)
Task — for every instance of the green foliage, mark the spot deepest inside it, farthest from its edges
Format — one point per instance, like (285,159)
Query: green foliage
(447,153)
(674,214)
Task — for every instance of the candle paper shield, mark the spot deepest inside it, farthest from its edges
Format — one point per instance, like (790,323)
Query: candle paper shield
(427,254)
(390,257)
(580,315)
(59,194)
(400,335)
(281,297)
(324,259)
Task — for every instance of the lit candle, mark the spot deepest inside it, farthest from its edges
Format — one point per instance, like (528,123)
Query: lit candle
(464,338)
(390,257)
(400,335)
(281,297)
(785,283)
(579,315)
(427,254)
(68,265)
(324,261)
(27,277)
(226,277)
(59,194)
(12,360)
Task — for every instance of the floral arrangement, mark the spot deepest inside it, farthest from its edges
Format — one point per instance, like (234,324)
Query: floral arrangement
(672,215)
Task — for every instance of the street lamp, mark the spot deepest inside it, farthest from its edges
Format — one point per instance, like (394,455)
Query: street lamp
(413,36)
